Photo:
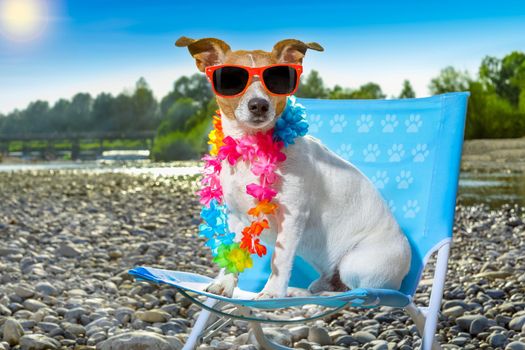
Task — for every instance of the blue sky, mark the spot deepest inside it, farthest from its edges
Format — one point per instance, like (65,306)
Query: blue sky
(102,45)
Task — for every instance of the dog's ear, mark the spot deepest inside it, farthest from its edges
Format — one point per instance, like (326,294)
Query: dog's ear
(207,51)
(292,50)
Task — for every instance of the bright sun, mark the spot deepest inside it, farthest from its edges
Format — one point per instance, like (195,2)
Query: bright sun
(22,20)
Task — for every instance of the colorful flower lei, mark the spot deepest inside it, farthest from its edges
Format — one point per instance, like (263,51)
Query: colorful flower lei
(263,152)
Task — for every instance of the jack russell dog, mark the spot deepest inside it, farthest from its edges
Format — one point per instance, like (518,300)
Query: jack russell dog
(329,213)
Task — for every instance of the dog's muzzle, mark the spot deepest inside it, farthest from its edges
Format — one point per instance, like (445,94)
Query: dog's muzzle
(258,108)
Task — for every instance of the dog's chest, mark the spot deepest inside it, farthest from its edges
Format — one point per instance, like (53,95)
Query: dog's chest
(234,180)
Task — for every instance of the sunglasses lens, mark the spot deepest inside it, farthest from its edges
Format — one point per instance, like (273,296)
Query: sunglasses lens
(230,81)
(280,80)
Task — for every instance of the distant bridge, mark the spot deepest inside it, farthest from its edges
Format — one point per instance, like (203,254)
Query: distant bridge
(75,138)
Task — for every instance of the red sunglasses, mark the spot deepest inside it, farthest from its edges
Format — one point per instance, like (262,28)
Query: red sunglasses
(232,80)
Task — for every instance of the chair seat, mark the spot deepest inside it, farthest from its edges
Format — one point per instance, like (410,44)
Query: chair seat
(192,282)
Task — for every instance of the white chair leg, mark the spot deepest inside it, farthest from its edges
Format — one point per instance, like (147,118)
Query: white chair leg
(264,342)
(199,326)
(435,297)
(419,319)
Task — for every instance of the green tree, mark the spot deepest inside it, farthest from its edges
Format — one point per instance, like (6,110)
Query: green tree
(145,107)
(313,87)
(407,91)
(80,112)
(368,91)
(339,93)
(35,117)
(60,115)
(449,80)
(195,87)
(507,75)
(102,113)
(177,115)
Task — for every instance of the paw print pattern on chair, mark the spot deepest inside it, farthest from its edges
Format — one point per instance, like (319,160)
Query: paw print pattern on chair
(420,152)
(364,123)
(390,123)
(345,151)
(338,123)
(371,152)
(396,153)
(404,179)
(393,147)
(314,123)
(413,123)
(380,179)
(411,208)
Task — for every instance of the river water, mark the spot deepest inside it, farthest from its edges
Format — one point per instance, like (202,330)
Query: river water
(493,189)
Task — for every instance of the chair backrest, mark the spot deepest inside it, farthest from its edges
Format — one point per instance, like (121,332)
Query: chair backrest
(411,150)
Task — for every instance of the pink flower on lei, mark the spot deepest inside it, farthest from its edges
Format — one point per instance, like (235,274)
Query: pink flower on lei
(229,150)
(260,192)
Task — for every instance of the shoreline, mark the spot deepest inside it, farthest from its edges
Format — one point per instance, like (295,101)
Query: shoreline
(482,155)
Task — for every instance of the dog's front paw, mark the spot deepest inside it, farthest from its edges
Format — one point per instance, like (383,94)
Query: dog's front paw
(222,286)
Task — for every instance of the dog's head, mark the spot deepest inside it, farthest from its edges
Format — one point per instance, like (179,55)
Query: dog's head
(255,109)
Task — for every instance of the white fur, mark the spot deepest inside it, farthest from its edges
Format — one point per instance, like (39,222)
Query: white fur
(243,114)
(330,214)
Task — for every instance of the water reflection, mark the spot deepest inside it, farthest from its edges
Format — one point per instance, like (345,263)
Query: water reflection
(492,189)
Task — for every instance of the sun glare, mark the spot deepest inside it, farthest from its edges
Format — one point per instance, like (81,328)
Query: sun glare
(22,20)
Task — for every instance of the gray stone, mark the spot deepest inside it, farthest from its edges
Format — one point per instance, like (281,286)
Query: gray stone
(247,347)
(46,288)
(68,251)
(4,310)
(459,341)
(24,291)
(138,340)
(454,311)
(465,322)
(279,335)
(153,316)
(495,293)
(515,345)
(497,339)
(299,332)
(38,342)
(75,313)
(75,329)
(379,345)
(517,323)
(363,337)
(345,340)
(34,305)
(304,344)
(47,326)
(319,335)
(478,325)
(12,331)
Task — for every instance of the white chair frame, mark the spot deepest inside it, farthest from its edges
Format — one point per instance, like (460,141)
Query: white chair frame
(425,318)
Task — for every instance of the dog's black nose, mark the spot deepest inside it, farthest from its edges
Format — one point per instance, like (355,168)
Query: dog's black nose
(258,106)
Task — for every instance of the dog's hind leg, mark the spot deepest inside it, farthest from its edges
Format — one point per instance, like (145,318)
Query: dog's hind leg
(328,283)
(369,266)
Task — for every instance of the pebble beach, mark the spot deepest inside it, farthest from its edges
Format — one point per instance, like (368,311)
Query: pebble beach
(69,237)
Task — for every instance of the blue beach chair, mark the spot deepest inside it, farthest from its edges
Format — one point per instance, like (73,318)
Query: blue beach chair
(410,149)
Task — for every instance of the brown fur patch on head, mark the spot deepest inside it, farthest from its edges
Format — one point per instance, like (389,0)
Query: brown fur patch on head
(255,58)
(207,51)
(212,51)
